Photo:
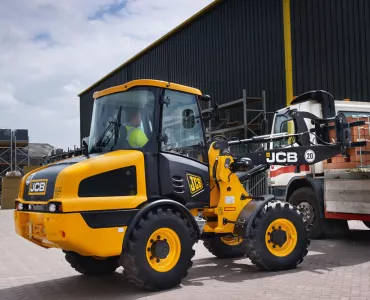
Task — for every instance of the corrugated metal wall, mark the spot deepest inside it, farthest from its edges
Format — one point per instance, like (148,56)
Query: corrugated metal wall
(331,47)
(238,44)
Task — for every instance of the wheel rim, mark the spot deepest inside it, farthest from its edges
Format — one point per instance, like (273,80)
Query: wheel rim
(281,237)
(231,241)
(163,250)
(308,212)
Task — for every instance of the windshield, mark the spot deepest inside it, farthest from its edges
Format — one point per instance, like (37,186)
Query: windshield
(122,120)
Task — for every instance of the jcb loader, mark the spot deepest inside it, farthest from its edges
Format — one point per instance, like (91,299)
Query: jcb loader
(149,186)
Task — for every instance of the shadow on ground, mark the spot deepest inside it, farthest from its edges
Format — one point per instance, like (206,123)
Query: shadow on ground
(324,255)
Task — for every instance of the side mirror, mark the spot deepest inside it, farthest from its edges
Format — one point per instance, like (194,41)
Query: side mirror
(188,119)
(284,126)
(205,98)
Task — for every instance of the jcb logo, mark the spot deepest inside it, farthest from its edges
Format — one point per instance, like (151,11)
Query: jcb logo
(195,183)
(38,187)
(281,157)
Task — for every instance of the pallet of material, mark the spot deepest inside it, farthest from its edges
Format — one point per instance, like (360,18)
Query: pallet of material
(10,188)
(358,157)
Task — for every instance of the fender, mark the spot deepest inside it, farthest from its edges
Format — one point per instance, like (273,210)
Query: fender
(317,184)
(248,214)
(162,202)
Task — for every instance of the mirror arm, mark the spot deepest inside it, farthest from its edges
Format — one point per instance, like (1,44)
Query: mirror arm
(86,148)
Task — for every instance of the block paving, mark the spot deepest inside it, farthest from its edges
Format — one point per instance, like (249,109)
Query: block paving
(334,269)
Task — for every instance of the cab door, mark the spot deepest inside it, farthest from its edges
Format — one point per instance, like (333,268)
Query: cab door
(183,165)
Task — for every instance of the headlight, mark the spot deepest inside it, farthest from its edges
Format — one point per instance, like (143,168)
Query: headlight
(19,206)
(52,207)
(55,207)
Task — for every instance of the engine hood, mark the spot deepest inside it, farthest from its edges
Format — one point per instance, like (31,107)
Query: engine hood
(39,184)
(111,174)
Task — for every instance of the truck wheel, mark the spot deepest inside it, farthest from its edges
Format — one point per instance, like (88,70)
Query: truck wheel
(91,266)
(306,201)
(278,239)
(226,247)
(159,251)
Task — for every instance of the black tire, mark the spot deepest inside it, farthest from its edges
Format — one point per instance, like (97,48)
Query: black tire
(307,194)
(91,266)
(134,258)
(366,223)
(258,251)
(220,249)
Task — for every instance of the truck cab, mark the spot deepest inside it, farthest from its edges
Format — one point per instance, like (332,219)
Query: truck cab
(306,186)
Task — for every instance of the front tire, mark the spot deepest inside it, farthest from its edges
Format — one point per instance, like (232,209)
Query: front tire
(278,239)
(226,247)
(91,266)
(159,251)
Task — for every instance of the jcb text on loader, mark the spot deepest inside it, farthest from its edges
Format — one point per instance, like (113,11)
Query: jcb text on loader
(149,187)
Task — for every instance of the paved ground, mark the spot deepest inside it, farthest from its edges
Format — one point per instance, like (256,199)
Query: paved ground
(334,269)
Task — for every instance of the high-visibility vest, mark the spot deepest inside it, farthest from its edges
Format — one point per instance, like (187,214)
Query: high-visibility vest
(135,137)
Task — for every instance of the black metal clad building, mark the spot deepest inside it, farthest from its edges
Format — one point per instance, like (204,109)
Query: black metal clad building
(331,47)
(239,44)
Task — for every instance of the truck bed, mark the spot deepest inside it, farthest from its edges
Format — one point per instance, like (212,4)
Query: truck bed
(347,191)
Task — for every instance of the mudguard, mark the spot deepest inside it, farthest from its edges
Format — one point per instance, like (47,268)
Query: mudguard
(316,184)
(162,202)
(248,213)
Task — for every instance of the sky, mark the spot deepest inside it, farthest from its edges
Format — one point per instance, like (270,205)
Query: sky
(50,51)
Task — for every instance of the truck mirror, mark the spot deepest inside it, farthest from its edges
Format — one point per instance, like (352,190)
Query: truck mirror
(188,119)
(284,126)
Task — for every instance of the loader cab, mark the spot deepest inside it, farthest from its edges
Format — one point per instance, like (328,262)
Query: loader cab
(163,121)
(149,119)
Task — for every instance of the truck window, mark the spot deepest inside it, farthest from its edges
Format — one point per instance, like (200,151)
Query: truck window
(283,124)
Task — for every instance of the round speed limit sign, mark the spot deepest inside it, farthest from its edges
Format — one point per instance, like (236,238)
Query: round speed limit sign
(309,156)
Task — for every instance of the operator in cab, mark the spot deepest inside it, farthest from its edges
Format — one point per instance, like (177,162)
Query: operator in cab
(135,136)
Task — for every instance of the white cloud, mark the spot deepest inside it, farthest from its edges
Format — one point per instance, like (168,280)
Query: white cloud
(52,50)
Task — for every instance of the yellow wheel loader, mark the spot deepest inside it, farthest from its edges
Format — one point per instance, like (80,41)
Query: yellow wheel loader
(149,186)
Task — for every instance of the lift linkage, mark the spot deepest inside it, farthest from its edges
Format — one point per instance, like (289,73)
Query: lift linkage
(303,151)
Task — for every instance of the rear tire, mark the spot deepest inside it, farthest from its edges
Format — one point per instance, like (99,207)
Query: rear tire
(307,195)
(91,266)
(267,231)
(159,251)
(225,247)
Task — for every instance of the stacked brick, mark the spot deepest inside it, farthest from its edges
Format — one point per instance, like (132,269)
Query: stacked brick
(356,157)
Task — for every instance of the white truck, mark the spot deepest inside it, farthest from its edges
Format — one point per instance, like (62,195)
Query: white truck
(327,196)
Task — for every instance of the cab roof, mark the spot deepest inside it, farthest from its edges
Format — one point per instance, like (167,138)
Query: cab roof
(147,82)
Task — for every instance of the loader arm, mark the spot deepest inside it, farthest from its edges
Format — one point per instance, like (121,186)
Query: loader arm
(250,164)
